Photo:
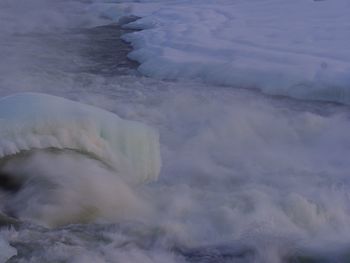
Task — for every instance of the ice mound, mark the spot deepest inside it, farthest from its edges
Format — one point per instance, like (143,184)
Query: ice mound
(30,121)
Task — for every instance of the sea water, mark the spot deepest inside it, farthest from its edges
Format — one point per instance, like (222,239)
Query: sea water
(245,177)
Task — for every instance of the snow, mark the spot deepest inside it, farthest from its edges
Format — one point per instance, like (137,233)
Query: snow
(297,48)
(38,121)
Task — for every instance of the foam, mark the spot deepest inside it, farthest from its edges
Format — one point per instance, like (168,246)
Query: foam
(241,171)
(6,251)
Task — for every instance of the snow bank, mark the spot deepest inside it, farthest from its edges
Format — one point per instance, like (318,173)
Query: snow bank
(37,121)
(296,48)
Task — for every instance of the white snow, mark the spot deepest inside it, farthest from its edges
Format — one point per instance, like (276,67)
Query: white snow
(38,121)
(297,48)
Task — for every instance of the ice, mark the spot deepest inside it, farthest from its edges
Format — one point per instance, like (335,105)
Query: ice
(297,48)
(72,163)
(31,121)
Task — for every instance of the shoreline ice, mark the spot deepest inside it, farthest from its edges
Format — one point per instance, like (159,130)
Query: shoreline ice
(40,121)
(298,49)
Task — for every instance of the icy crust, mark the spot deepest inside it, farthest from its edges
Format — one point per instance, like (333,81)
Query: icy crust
(38,121)
(297,48)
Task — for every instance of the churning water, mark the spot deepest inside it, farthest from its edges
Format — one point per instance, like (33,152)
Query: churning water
(245,177)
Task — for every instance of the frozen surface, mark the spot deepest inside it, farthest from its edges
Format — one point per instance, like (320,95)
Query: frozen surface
(38,121)
(296,48)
